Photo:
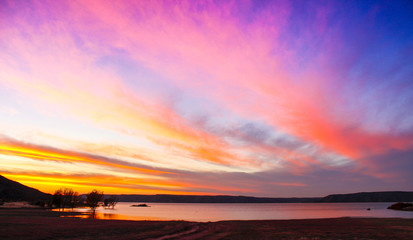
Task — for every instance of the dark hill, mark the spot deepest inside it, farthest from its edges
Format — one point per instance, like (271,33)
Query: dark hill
(14,191)
(370,197)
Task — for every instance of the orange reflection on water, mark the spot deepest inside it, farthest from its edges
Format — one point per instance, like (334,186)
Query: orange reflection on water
(204,212)
(111,216)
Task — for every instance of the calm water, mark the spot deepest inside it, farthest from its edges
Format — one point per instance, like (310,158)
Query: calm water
(203,212)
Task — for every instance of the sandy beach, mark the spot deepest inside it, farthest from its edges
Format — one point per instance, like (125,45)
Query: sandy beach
(43,224)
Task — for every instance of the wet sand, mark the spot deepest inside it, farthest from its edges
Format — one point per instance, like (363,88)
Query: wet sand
(42,224)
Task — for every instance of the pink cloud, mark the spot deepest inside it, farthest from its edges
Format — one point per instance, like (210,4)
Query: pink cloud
(207,50)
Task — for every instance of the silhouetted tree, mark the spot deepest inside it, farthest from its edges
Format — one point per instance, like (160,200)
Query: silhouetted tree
(70,198)
(65,197)
(76,199)
(93,198)
(111,201)
(57,198)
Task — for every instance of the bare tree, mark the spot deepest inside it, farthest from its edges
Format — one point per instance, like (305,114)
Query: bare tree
(93,198)
(76,199)
(65,197)
(70,198)
(111,201)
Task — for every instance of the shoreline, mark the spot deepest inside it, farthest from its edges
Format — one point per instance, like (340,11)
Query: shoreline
(41,224)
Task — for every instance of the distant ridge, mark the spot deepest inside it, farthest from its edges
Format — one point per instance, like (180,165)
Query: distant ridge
(166,198)
(391,196)
(14,191)
(396,196)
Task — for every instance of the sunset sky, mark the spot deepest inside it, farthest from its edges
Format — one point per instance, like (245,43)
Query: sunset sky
(258,98)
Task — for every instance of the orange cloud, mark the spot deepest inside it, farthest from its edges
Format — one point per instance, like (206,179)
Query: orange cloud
(49,182)
(14,148)
(206,53)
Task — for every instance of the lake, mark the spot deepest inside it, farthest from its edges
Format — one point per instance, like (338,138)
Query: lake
(204,212)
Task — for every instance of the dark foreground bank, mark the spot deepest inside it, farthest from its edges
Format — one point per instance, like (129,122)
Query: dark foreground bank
(41,224)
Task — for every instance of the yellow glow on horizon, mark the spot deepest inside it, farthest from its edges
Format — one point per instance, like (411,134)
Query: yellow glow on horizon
(49,185)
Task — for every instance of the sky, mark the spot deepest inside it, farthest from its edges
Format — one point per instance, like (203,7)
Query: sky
(255,98)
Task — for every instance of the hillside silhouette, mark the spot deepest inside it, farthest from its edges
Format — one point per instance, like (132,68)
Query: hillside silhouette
(14,191)
(395,196)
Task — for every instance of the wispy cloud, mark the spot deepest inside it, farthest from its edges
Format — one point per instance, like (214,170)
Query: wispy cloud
(15,148)
(210,87)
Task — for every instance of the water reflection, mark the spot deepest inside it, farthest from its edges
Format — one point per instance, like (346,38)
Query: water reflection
(219,212)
